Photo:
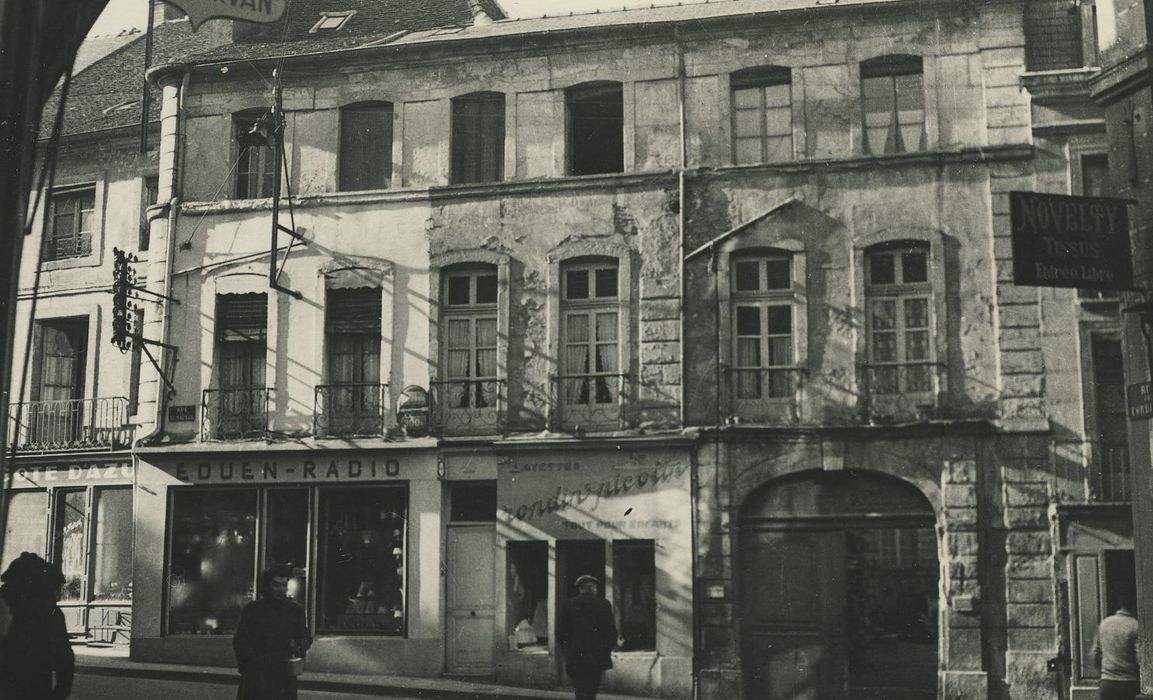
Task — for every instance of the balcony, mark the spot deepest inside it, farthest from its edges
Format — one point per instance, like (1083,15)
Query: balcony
(467,407)
(67,247)
(350,410)
(900,391)
(766,394)
(235,414)
(1092,472)
(589,401)
(72,424)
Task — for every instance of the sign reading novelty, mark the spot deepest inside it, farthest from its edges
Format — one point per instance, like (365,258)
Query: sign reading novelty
(264,470)
(77,474)
(1065,241)
(259,11)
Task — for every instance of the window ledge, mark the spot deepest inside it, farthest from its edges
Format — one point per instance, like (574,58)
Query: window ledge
(92,260)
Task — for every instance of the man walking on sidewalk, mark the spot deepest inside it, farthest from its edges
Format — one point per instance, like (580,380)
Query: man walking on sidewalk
(1115,651)
(272,631)
(588,633)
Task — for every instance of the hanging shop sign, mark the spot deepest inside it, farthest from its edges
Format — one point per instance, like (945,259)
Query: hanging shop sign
(1065,241)
(259,11)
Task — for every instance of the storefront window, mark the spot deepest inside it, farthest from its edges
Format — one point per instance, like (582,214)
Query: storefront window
(213,554)
(24,532)
(71,509)
(113,550)
(286,535)
(635,593)
(527,596)
(361,586)
(575,558)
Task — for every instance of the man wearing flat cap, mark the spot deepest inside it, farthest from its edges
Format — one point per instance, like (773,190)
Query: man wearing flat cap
(587,634)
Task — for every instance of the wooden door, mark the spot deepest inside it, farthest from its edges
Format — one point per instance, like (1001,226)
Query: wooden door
(792,604)
(471,599)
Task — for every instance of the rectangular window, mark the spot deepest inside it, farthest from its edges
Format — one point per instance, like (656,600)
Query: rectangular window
(470,342)
(353,400)
(27,526)
(898,311)
(362,545)
(635,593)
(72,223)
(213,553)
(286,536)
(366,146)
(527,595)
(240,406)
(590,334)
(595,128)
(56,416)
(478,138)
(764,355)
(254,165)
(1111,449)
(893,99)
(762,115)
(112,550)
(149,193)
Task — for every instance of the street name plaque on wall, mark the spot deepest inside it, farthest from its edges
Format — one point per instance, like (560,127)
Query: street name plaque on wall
(182,414)
(1140,401)
(1065,241)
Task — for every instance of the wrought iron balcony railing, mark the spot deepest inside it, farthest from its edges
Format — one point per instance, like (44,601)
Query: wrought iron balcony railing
(1092,472)
(235,414)
(467,406)
(71,424)
(900,390)
(594,400)
(766,394)
(68,247)
(350,410)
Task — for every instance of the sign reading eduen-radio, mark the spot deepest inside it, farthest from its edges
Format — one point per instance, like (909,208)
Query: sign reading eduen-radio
(259,11)
(1065,241)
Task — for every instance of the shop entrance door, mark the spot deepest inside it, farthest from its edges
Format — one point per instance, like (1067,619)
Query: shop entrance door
(471,608)
(792,586)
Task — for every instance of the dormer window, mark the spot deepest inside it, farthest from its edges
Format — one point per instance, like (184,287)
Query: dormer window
(331,21)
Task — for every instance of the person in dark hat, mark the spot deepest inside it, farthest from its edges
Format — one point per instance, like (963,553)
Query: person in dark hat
(587,633)
(272,630)
(36,660)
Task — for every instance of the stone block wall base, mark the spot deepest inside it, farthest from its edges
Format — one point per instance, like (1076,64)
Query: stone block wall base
(716,684)
(964,685)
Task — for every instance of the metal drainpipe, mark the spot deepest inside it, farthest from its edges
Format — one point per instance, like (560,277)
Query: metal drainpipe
(693,526)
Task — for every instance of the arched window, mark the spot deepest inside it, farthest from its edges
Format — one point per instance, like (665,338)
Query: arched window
(365,146)
(595,128)
(478,138)
(762,114)
(893,104)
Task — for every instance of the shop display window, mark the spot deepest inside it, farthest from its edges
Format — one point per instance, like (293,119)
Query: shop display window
(113,548)
(362,539)
(70,541)
(527,595)
(25,529)
(634,593)
(286,537)
(212,574)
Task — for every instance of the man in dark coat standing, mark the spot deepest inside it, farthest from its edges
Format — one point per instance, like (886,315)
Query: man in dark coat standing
(36,660)
(272,630)
(587,633)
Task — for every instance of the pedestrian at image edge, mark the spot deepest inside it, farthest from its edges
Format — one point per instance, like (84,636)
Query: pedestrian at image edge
(271,631)
(587,633)
(1115,653)
(36,659)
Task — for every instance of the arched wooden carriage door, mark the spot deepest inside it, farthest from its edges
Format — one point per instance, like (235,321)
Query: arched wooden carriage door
(838,589)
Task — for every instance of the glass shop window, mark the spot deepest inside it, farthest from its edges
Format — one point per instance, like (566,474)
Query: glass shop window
(362,541)
(527,595)
(70,538)
(112,578)
(286,537)
(212,574)
(635,593)
(25,529)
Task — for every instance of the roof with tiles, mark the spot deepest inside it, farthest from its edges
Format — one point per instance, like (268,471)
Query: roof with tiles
(400,35)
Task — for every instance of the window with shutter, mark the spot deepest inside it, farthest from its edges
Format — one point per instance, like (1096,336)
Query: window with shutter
(365,146)
(478,138)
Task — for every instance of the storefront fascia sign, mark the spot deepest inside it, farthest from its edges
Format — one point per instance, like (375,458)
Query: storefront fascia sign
(1066,241)
(318,468)
(258,11)
(70,475)
(604,495)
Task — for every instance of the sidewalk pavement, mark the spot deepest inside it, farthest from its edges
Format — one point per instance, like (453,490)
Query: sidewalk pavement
(96,671)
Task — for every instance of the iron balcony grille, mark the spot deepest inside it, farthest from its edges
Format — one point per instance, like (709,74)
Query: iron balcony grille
(900,390)
(62,248)
(235,414)
(1109,473)
(70,424)
(467,406)
(350,410)
(593,400)
(766,394)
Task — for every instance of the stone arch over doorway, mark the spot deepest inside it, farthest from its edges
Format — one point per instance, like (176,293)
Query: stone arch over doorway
(839,588)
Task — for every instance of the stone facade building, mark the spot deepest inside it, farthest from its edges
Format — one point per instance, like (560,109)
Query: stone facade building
(711,301)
